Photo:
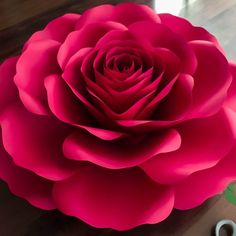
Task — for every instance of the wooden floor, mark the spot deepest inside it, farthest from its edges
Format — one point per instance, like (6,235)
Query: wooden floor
(18,20)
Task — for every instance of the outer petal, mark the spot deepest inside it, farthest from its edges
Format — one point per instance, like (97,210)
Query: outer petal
(204,143)
(202,185)
(125,13)
(8,90)
(211,79)
(35,142)
(37,62)
(186,29)
(231,96)
(24,183)
(113,199)
(58,29)
(116,155)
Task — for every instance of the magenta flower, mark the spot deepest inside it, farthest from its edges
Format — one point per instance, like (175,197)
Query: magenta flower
(117,116)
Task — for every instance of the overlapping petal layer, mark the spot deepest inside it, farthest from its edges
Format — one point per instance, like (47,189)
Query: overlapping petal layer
(118,116)
(119,199)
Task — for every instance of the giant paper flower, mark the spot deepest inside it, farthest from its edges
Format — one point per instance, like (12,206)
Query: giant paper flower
(117,116)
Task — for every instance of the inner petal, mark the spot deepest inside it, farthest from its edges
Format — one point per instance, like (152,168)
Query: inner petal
(124,62)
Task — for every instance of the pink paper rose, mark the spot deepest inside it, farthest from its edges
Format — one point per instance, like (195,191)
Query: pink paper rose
(117,116)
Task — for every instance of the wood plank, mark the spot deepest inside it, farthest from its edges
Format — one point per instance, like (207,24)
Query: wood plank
(15,11)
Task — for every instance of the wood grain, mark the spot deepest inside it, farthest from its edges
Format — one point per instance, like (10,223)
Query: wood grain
(18,20)
(15,11)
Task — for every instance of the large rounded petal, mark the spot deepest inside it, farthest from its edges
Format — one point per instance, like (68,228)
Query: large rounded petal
(35,142)
(120,199)
(210,85)
(116,155)
(186,29)
(25,184)
(8,89)
(58,29)
(34,65)
(202,185)
(204,143)
(125,13)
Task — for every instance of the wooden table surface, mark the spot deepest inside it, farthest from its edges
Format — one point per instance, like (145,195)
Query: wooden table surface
(18,20)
